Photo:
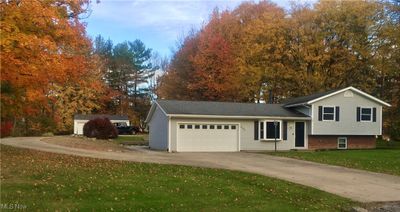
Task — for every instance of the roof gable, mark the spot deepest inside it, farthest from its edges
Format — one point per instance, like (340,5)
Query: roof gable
(320,96)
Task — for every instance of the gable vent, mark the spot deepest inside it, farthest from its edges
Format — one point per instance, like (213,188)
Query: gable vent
(348,94)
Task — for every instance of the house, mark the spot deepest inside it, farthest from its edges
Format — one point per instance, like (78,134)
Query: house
(340,119)
(81,119)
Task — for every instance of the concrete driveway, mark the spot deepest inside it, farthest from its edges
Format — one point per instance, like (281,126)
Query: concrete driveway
(357,185)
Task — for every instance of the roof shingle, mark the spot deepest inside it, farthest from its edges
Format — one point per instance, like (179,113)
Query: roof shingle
(305,99)
(226,108)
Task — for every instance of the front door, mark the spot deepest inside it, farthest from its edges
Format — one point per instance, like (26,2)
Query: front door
(299,134)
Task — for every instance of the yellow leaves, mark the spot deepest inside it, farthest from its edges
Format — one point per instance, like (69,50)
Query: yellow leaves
(41,46)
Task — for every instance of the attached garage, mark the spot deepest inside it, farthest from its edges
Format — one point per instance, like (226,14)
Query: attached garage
(207,137)
(200,126)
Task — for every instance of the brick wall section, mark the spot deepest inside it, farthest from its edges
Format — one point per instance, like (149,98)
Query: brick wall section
(330,141)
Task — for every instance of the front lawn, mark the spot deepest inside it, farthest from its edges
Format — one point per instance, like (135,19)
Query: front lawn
(48,181)
(384,160)
(140,139)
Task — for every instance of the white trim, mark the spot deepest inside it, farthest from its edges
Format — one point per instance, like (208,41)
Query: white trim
(349,88)
(265,130)
(372,111)
(297,104)
(165,113)
(169,134)
(345,138)
(380,119)
(238,117)
(208,123)
(312,119)
(334,112)
(150,114)
(152,109)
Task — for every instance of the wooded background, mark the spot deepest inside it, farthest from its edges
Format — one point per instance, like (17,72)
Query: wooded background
(51,69)
(262,52)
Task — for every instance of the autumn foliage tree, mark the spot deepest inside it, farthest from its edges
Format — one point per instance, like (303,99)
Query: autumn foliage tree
(261,52)
(44,54)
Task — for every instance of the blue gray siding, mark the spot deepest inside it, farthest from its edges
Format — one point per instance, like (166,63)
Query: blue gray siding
(158,127)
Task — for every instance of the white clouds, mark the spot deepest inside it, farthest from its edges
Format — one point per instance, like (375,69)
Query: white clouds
(170,17)
(157,23)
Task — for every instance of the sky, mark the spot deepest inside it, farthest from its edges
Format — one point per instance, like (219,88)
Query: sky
(159,24)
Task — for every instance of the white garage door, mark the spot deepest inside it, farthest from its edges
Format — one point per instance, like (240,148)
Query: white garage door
(207,137)
(79,128)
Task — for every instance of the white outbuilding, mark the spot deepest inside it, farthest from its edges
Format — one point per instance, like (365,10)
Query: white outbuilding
(81,119)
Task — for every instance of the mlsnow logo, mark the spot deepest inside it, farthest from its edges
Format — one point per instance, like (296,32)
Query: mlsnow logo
(12,206)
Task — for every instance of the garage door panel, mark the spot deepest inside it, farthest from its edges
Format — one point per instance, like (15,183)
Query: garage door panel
(80,128)
(195,137)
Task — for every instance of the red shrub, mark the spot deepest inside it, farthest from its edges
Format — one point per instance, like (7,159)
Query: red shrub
(6,128)
(100,128)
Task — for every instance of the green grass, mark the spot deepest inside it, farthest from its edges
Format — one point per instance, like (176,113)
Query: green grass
(384,159)
(142,139)
(48,181)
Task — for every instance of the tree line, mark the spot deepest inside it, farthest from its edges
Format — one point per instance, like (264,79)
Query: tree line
(262,52)
(51,69)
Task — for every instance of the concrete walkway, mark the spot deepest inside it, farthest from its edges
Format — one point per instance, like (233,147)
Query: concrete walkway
(355,184)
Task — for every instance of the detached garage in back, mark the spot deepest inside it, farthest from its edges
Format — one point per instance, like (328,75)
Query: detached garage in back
(201,126)
(81,119)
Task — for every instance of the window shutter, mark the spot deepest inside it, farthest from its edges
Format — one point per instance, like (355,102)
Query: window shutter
(319,113)
(285,130)
(255,130)
(374,114)
(337,113)
(358,114)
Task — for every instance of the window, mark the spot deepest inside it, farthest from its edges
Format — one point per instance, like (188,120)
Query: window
(342,143)
(189,126)
(219,127)
(212,127)
(233,127)
(270,129)
(328,113)
(197,126)
(366,114)
(182,126)
(273,130)
(226,127)
(204,126)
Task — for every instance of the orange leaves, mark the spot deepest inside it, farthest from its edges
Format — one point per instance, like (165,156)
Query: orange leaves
(43,44)
(213,74)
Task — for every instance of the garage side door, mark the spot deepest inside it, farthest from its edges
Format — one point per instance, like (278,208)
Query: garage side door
(207,137)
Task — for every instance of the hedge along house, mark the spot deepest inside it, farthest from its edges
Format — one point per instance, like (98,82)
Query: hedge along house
(81,119)
(340,119)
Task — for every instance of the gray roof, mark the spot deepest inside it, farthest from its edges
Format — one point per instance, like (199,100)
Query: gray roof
(305,99)
(226,108)
(93,116)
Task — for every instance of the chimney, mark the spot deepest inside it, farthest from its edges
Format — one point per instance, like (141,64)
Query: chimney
(271,98)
